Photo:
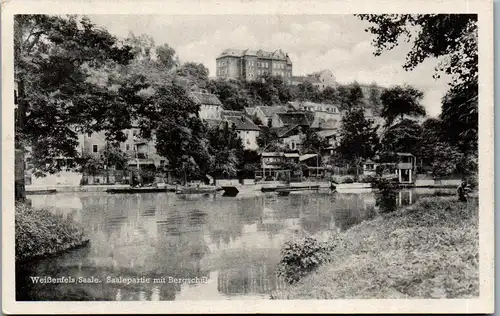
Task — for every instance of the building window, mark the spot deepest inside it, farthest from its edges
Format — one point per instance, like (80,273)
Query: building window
(127,147)
(292,145)
(94,148)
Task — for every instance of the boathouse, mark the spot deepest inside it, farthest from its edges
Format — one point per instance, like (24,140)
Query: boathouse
(405,168)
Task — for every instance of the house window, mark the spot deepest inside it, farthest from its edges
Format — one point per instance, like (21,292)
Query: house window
(292,145)
(94,148)
(127,147)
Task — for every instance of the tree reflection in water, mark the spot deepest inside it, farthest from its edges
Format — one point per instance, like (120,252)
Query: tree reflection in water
(237,241)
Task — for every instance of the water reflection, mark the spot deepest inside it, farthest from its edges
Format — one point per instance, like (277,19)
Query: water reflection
(231,244)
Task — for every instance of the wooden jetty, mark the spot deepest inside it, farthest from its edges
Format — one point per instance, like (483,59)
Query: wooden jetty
(41,192)
(139,190)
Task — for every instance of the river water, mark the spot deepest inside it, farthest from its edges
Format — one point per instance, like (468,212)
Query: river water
(195,247)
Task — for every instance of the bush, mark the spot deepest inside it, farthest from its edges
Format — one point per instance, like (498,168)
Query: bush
(301,256)
(385,195)
(367,179)
(348,180)
(41,233)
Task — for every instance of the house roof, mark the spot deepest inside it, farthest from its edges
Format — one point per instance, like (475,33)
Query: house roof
(205,98)
(250,110)
(307,157)
(242,123)
(270,110)
(212,122)
(285,130)
(405,154)
(328,133)
(296,118)
(225,113)
(291,155)
(234,52)
(271,154)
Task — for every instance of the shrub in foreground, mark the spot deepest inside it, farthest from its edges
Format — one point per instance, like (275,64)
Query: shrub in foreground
(41,233)
(301,256)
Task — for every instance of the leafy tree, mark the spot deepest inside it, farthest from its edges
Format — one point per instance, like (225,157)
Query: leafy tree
(401,101)
(313,143)
(359,139)
(113,156)
(330,94)
(267,138)
(460,117)
(404,136)
(92,164)
(227,150)
(450,37)
(374,100)
(195,72)
(249,163)
(444,159)
(166,56)
(171,117)
(351,97)
(453,40)
(142,45)
(56,61)
(306,92)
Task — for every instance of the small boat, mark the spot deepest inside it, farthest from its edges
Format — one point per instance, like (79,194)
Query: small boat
(198,190)
(230,191)
(292,188)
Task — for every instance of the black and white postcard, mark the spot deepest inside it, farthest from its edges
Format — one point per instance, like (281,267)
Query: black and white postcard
(247,156)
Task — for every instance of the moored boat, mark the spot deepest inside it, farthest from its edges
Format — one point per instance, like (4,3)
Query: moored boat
(198,190)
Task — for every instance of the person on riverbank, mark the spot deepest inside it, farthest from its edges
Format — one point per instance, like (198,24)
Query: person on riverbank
(462,191)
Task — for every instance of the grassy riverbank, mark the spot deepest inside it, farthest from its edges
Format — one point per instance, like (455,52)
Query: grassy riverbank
(40,233)
(427,250)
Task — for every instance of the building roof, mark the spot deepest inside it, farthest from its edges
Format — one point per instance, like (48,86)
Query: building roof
(405,154)
(205,98)
(242,123)
(270,110)
(295,118)
(328,133)
(285,131)
(307,157)
(250,110)
(225,113)
(271,154)
(291,155)
(212,122)
(276,55)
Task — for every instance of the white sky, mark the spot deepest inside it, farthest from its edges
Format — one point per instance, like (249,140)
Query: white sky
(313,42)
